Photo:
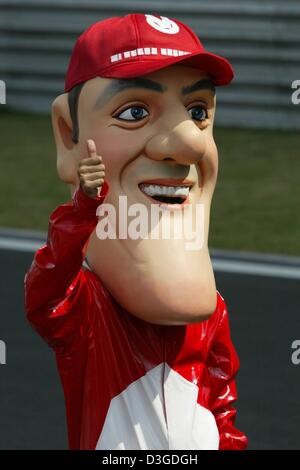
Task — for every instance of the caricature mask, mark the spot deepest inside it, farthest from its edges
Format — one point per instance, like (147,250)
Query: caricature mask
(151,117)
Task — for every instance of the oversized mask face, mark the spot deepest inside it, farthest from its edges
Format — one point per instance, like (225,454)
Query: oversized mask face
(155,136)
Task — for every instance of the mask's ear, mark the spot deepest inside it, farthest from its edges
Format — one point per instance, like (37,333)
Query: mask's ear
(67,151)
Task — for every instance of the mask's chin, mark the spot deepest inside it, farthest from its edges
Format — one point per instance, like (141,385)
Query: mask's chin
(158,280)
(158,286)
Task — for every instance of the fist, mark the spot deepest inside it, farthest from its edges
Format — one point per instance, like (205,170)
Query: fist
(91,171)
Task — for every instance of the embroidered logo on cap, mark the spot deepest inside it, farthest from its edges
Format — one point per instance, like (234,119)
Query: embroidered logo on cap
(162,24)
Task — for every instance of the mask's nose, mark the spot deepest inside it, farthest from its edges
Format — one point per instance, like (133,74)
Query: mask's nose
(184,143)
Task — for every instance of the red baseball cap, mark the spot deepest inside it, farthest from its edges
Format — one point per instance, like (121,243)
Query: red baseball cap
(137,44)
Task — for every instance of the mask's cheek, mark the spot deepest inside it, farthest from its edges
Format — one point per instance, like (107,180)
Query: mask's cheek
(117,147)
(208,166)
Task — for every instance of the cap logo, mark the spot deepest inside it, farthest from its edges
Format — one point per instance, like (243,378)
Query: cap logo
(162,24)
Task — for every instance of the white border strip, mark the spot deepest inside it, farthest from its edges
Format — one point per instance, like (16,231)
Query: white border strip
(220,265)
(147,51)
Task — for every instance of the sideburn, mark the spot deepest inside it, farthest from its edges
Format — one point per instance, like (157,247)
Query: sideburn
(73,98)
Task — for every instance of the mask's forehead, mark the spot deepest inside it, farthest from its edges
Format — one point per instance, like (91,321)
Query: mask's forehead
(178,78)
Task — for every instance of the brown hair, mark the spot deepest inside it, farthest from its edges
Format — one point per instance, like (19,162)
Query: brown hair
(73,98)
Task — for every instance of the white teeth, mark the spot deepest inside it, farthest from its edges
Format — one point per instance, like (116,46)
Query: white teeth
(161,190)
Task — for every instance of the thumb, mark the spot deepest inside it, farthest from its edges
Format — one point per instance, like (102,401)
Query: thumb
(91,148)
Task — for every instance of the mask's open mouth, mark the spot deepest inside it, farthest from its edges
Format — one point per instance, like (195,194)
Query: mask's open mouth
(165,193)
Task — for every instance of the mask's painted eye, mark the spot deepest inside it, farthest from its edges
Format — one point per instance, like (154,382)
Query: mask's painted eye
(198,112)
(134,113)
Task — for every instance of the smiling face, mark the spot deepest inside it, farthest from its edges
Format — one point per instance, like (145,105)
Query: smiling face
(155,135)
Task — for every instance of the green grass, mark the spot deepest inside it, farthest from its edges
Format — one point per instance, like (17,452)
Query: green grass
(257,199)
(255,206)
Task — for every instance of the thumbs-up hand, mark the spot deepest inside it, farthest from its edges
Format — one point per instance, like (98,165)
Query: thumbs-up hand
(91,171)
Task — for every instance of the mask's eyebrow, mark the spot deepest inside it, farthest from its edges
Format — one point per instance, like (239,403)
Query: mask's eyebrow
(204,84)
(119,85)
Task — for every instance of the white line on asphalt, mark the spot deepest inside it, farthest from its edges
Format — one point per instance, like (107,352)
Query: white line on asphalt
(220,265)
(16,244)
(257,269)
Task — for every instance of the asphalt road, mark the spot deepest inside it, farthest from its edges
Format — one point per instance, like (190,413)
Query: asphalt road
(264,315)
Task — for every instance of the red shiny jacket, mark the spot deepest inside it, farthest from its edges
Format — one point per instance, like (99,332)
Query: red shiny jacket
(128,384)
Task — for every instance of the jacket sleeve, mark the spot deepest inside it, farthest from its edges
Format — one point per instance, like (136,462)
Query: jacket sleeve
(55,285)
(222,365)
